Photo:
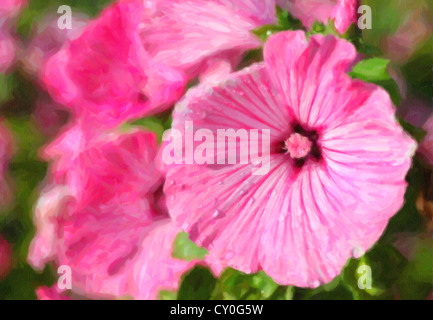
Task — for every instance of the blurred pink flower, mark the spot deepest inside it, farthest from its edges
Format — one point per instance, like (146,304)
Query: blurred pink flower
(5,258)
(426,145)
(184,34)
(8,46)
(9,8)
(304,219)
(48,39)
(106,76)
(99,215)
(84,161)
(7,50)
(415,29)
(6,151)
(49,117)
(343,12)
(415,111)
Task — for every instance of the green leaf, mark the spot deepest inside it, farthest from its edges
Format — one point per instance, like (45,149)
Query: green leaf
(386,265)
(334,290)
(198,284)
(153,124)
(285,22)
(187,250)
(321,28)
(265,31)
(371,70)
(167,295)
(264,283)
(236,285)
(374,70)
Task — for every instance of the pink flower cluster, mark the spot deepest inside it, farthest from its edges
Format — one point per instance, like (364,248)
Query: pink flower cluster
(338,157)
(160,45)
(102,214)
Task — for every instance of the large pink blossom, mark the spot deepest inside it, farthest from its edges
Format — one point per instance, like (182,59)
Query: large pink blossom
(337,164)
(342,12)
(106,76)
(426,146)
(100,215)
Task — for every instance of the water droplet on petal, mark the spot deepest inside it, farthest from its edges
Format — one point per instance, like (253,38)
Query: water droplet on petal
(218,214)
(314,284)
(357,252)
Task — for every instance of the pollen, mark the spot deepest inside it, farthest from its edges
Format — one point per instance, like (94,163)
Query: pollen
(298,146)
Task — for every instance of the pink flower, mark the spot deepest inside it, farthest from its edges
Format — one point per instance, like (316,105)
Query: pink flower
(8,47)
(413,32)
(426,146)
(7,50)
(86,161)
(304,219)
(415,111)
(10,8)
(52,293)
(100,216)
(343,12)
(106,76)
(184,34)
(49,39)
(5,258)
(49,117)
(154,267)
